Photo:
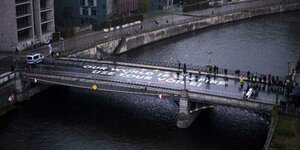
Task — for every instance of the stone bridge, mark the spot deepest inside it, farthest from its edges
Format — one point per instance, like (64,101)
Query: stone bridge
(200,93)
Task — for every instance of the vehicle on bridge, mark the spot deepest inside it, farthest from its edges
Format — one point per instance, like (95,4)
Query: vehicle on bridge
(34,59)
(251,92)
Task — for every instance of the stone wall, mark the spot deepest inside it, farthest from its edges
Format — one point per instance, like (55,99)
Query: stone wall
(150,37)
(120,46)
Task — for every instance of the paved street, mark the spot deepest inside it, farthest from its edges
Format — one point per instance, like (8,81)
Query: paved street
(153,77)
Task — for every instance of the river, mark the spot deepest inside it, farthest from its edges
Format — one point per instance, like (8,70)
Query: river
(68,118)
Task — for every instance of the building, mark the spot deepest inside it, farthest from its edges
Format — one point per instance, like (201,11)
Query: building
(160,4)
(70,13)
(126,6)
(25,23)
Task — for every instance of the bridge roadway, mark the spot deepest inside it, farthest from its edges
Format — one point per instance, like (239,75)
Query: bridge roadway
(85,73)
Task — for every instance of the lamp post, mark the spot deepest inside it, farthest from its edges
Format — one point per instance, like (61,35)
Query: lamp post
(209,53)
(61,41)
(184,76)
(288,70)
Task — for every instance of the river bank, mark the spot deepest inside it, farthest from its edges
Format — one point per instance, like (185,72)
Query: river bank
(286,134)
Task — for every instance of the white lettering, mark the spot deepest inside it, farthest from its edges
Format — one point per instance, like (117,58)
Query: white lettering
(122,74)
(96,71)
(148,78)
(199,84)
(214,81)
(87,66)
(166,75)
(104,72)
(222,83)
(178,81)
(201,79)
(161,79)
(139,77)
(130,76)
(170,80)
(111,73)
(149,73)
(116,69)
(192,83)
(159,74)
(134,71)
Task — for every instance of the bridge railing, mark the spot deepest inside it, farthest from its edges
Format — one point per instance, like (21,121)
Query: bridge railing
(169,64)
(51,77)
(6,77)
(175,64)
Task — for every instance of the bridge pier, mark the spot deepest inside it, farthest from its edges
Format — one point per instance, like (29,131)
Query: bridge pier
(185,117)
(19,84)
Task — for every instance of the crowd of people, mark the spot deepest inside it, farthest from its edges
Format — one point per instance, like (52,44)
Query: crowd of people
(257,82)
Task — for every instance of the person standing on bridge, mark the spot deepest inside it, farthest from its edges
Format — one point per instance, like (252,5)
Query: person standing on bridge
(255,77)
(241,81)
(264,79)
(248,75)
(269,79)
(105,36)
(179,65)
(177,73)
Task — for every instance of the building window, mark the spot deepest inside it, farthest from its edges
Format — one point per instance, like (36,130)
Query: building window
(43,4)
(23,22)
(44,28)
(82,21)
(85,11)
(22,9)
(103,6)
(23,34)
(94,12)
(82,2)
(44,16)
(91,2)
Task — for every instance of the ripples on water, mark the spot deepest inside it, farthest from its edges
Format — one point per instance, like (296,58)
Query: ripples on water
(263,44)
(67,118)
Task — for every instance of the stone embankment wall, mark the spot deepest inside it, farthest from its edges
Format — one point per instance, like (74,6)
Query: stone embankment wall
(128,43)
(150,37)
(17,90)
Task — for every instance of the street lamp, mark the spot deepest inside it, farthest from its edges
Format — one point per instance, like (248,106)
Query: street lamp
(288,70)
(209,53)
(184,76)
(61,41)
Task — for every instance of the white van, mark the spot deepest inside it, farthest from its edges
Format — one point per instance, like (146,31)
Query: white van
(34,59)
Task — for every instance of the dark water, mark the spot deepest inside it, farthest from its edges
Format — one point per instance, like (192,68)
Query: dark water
(262,45)
(67,118)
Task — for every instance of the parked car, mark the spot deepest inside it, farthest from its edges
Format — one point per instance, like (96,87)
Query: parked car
(34,59)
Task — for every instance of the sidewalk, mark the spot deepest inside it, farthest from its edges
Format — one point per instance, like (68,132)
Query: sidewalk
(165,18)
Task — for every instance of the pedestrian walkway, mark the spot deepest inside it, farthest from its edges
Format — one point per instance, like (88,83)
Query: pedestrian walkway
(163,17)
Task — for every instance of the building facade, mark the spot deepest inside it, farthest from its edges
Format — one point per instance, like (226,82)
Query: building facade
(126,6)
(160,4)
(25,23)
(71,13)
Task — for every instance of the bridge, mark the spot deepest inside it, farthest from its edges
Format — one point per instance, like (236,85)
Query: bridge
(194,91)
